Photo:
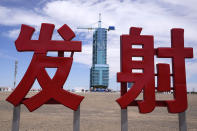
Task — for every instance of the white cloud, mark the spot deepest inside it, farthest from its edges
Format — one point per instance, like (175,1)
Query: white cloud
(16,16)
(12,33)
(84,57)
(191,69)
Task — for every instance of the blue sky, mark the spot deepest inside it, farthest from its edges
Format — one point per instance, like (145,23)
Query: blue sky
(156,17)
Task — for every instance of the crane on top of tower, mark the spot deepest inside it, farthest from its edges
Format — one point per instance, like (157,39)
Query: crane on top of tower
(99,26)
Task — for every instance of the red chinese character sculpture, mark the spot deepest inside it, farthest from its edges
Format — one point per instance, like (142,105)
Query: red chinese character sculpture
(52,89)
(146,80)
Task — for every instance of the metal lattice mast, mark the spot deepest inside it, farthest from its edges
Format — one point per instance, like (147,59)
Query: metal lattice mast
(15,73)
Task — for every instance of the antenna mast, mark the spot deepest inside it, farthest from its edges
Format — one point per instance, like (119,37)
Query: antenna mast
(15,73)
(99,22)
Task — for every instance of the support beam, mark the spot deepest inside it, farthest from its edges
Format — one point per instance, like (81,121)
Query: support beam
(76,120)
(124,120)
(182,121)
(16,118)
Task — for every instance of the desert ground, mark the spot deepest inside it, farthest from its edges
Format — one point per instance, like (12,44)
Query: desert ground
(99,112)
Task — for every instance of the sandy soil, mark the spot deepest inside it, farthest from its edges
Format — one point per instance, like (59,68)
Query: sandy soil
(99,112)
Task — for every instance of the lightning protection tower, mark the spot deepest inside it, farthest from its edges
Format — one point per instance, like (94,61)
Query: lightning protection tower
(99,72)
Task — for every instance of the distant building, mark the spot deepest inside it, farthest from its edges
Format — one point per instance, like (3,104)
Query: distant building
(3,89)
(99,72)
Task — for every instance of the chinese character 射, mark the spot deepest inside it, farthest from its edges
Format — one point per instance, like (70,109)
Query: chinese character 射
(145,80)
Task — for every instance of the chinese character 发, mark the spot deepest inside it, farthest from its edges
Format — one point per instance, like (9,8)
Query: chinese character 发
(52,89)
(145,79)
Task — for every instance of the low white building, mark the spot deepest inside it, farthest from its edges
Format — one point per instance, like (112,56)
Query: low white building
(3,89)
